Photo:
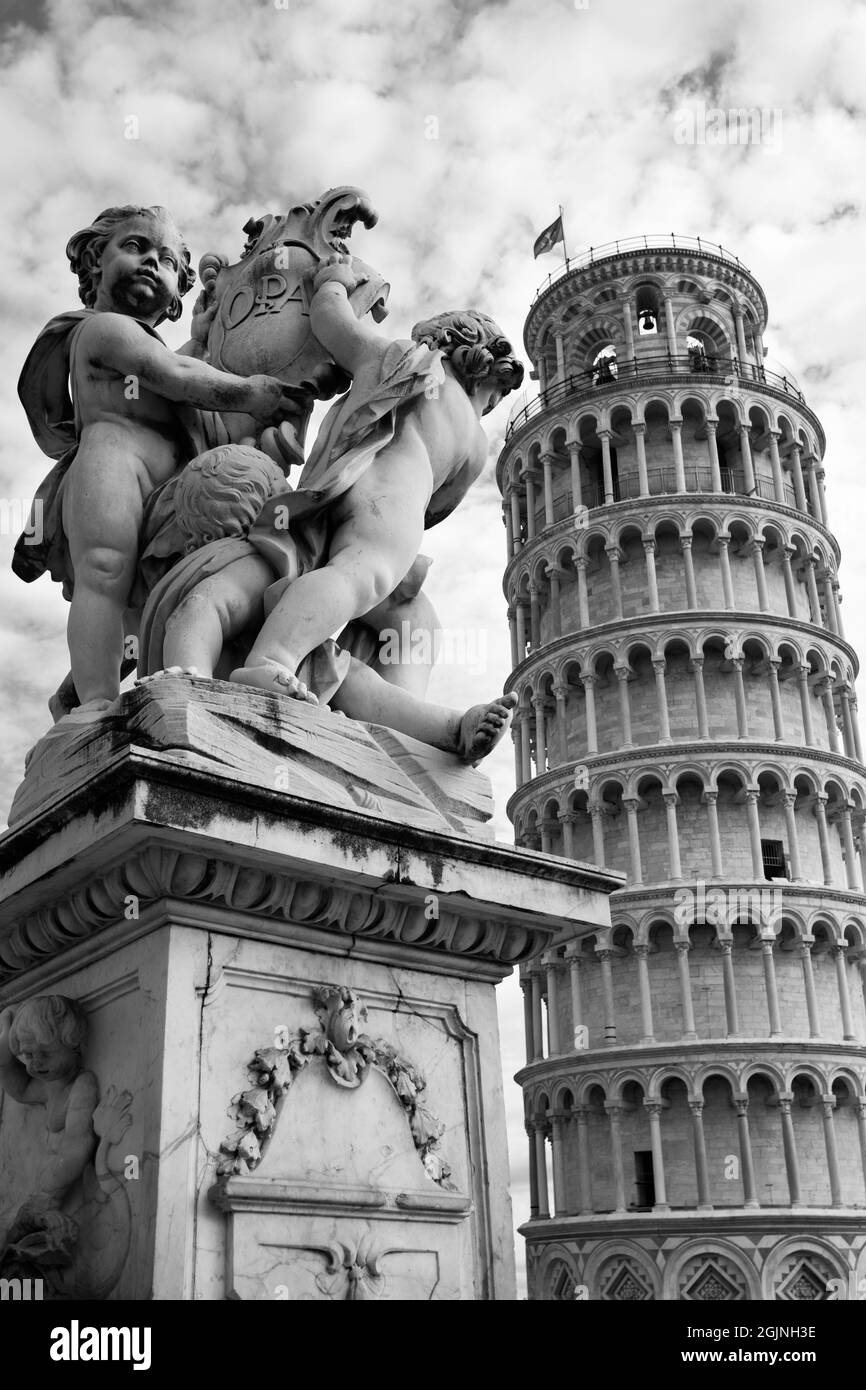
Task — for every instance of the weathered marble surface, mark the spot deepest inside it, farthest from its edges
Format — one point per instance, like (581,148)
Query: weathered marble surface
(264,740)
(192,914)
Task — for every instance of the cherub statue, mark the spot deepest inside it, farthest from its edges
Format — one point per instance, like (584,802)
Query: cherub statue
(395,455)
(210,599)
(41,1064)
(124,429)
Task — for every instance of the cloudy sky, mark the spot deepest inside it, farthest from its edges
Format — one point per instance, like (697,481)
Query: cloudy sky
(249,106)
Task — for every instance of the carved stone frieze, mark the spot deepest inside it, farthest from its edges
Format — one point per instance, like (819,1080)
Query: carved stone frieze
(159,872)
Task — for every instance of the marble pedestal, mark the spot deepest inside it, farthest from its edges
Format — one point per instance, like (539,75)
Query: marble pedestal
(196,908)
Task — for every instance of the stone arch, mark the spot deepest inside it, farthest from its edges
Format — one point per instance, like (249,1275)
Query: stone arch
(622,1271)
(714,1269)
(799,1268)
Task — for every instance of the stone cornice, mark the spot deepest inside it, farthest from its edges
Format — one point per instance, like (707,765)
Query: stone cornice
(685,1052)
(684,619)
(706,752)
(722,1221)
(149,828)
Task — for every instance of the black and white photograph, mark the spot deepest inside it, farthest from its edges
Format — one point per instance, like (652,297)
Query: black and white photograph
(432,591)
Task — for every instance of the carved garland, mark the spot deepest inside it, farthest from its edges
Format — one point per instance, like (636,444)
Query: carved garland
(348,1055)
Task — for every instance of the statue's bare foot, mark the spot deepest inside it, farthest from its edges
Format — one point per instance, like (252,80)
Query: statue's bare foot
(482,727)
(275,679)
(169,671)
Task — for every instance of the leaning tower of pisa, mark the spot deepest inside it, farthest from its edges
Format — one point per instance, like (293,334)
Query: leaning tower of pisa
(695,1079)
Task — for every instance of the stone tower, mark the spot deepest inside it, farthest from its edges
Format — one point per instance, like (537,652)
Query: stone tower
(696,1105)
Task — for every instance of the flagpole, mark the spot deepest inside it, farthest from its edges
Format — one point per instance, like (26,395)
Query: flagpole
(562,225)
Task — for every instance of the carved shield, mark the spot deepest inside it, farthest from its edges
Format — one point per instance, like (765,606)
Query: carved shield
(262,320)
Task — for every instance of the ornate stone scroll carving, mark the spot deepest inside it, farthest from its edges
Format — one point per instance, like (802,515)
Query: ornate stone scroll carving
(348,1055)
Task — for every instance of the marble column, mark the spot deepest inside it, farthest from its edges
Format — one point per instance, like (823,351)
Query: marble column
(631,804)
(725,947)
(574,463)
(676,427)
(828,1105)
(607,466)
(776,465)
(539,704)
(670,800)
(788,575)
(547,473)
(533,1173)
(824,838)
(803,673)
(534,617)
(659,667)
(589,682)
(760,575)
(553,573)
(689,1033)
(812,590)
(642,950)
(614,556)
(537,1021)
(560,695)
(737,663)
(797,469)
(725,570)
(710,798)
(839,949)
(605,955)
(792,1167)
(549,960)
(613,1112)
(649,549)
(754,823)
(776,701)
(584,1170)
(770,986)
(789,800)
(560,1203)
(702,1171)
(806,945)
(597,815)
(654,1111)
(528,477)
(639,428)
(580,565)
(689,572)
(850,852)
(746,456)
(747,1166)
(622,676)
(541,1169)
(575,966)
(713,451)
(516,520)
(696,665)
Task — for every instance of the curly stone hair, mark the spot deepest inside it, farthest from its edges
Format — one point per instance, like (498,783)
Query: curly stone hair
(51,1018)
(85,249)
(220,493)
(475,346)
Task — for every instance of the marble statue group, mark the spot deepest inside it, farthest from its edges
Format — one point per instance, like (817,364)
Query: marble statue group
(169,517)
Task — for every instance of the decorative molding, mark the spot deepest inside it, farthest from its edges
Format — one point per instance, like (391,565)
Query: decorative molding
(160,872)
(348,1056)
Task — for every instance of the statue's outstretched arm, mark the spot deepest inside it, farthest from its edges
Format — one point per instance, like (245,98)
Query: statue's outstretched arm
(351,341)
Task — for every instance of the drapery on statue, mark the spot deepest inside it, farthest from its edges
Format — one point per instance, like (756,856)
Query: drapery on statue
(282,569)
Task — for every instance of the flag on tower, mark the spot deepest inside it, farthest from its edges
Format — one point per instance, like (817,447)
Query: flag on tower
(549,238)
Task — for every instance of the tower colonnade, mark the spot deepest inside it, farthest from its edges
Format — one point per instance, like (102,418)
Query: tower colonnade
(695,1079)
